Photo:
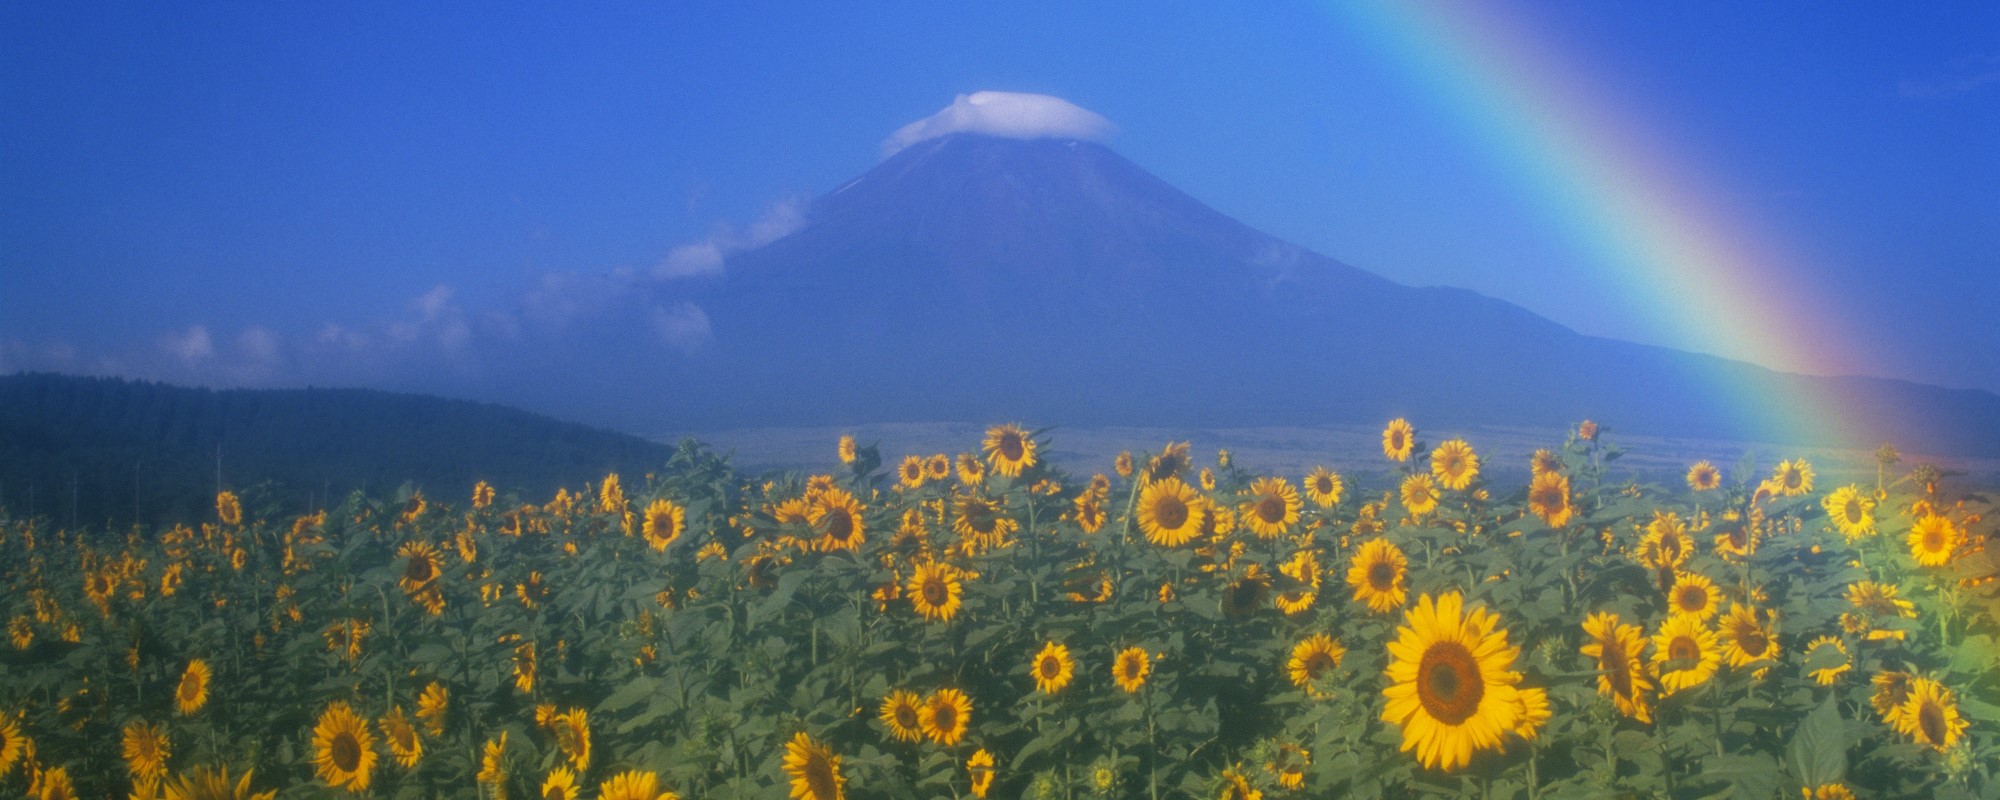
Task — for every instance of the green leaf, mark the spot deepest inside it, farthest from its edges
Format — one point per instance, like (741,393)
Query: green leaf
(1751,777)
(1975,655)
(1818,750)
(632,692)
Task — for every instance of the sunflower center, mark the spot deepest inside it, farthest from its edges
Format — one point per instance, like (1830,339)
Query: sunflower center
(1934,539)
(839,524)
(1683,648)
(1930,718)
(1613,664)
(945,717)
(1853,510)
(1011,447)
(906,716)
(935,592)
(1381,576)
(1396,440)
(1448,682)
(1271,509)
(555,792)
(1693,599)
(346,752)
(1323,486)
(1170,512)
(819,777)
(420,569)
(1049,668)
(1453,465)
(1317,663)
(980,518)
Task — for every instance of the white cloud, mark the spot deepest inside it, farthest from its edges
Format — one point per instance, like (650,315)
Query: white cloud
(259,343)
(192,346)
(435,302)
(684,326)
(1012,115)
(706,256)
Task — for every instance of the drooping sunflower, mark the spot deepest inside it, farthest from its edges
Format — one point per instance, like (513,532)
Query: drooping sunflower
(971,470)
(1089,512)
(837,516)
(560,784)
(902,714)
(1123,464)
(946,715)
(431,707)
(493,762)
(1934,540)
(1130,669)
(1009,449)
(405,746)
(1398,439)
(1304,571)
(1378,574)
(634,785)
(1312,659)
(1170,512)
(1548,498)
(1930,715)
(343,749)
(1793,478)
(1694,595)
(983,521)
(1454,464)
(206,783)
(1703,476)
(1748,635)
(1736,535)
(935,590)
(1420,494)
(1273,507)
(1666,545)
(1324,487)
(1288,765)
(1878,601)
(1826,660)
(979,772)
(846,449)
(525,667)
(192,691)
(146,749)
(1614,648)
(666,520)
(1892,690)
(814,770)
(910,473)
(1852,512)
(1684,653)
(1174,458)
(1543,460)
(572,735)
(1452,684)
(1052,668)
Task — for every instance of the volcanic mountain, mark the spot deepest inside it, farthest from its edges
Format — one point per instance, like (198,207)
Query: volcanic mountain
(975,278)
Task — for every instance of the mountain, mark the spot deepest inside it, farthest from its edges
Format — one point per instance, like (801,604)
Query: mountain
(123,441)
(974,278)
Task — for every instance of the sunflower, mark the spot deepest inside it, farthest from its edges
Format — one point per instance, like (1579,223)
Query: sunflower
(1934,540)
(1826,660)
(836,515)
(1666,545)
(1879,601)
(1535,712)
(1174,457)
(1793,478)
(1454,464)
(213,784)
(572,734)
(983,521)
(422,563)
(192,691)
(1324,487)
(946,715)
(971,470)
(1288,765)
(666,520)
(1304,570)
(1451,682)
(560,784)
(902,713)
(53,784)
(1273,507)
(343,749)
(1009,449)
(1234,785)
(1420,494)
(846,449)
(634,785)
(935,590)
(1377,574)
(1170,512)
(12,744)
(1892,689)
(1748,635)
(1852,512)
(1543,460)
(228,509)
(524,667)
(814,769)
(1207,479)
(405,746)
(1738,537)
(1548,498)
(1703,476)
(1621,675)
(1123,464)
(493,762)
(910,473)
(1089,514)
(431,707)
(1398,439)
(1312,659)
(1684,653)
(146,750)
(979,772)
(611,496)
(1930,715)
(1130,669)
(1694,595)
(1052,668)
(1828,791)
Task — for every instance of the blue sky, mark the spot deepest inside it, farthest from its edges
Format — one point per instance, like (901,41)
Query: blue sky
(269,176)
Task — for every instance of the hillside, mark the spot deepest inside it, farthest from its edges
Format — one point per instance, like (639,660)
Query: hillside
(116,441)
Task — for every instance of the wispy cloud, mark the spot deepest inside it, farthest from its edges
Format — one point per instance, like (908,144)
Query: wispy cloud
(706,256)
(1962,76)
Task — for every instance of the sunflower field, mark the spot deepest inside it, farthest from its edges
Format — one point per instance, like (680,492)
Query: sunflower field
(987,625)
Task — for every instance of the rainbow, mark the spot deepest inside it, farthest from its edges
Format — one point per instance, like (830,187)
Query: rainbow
(1709,275)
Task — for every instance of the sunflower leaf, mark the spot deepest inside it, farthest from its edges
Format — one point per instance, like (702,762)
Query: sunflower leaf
(1818,750)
